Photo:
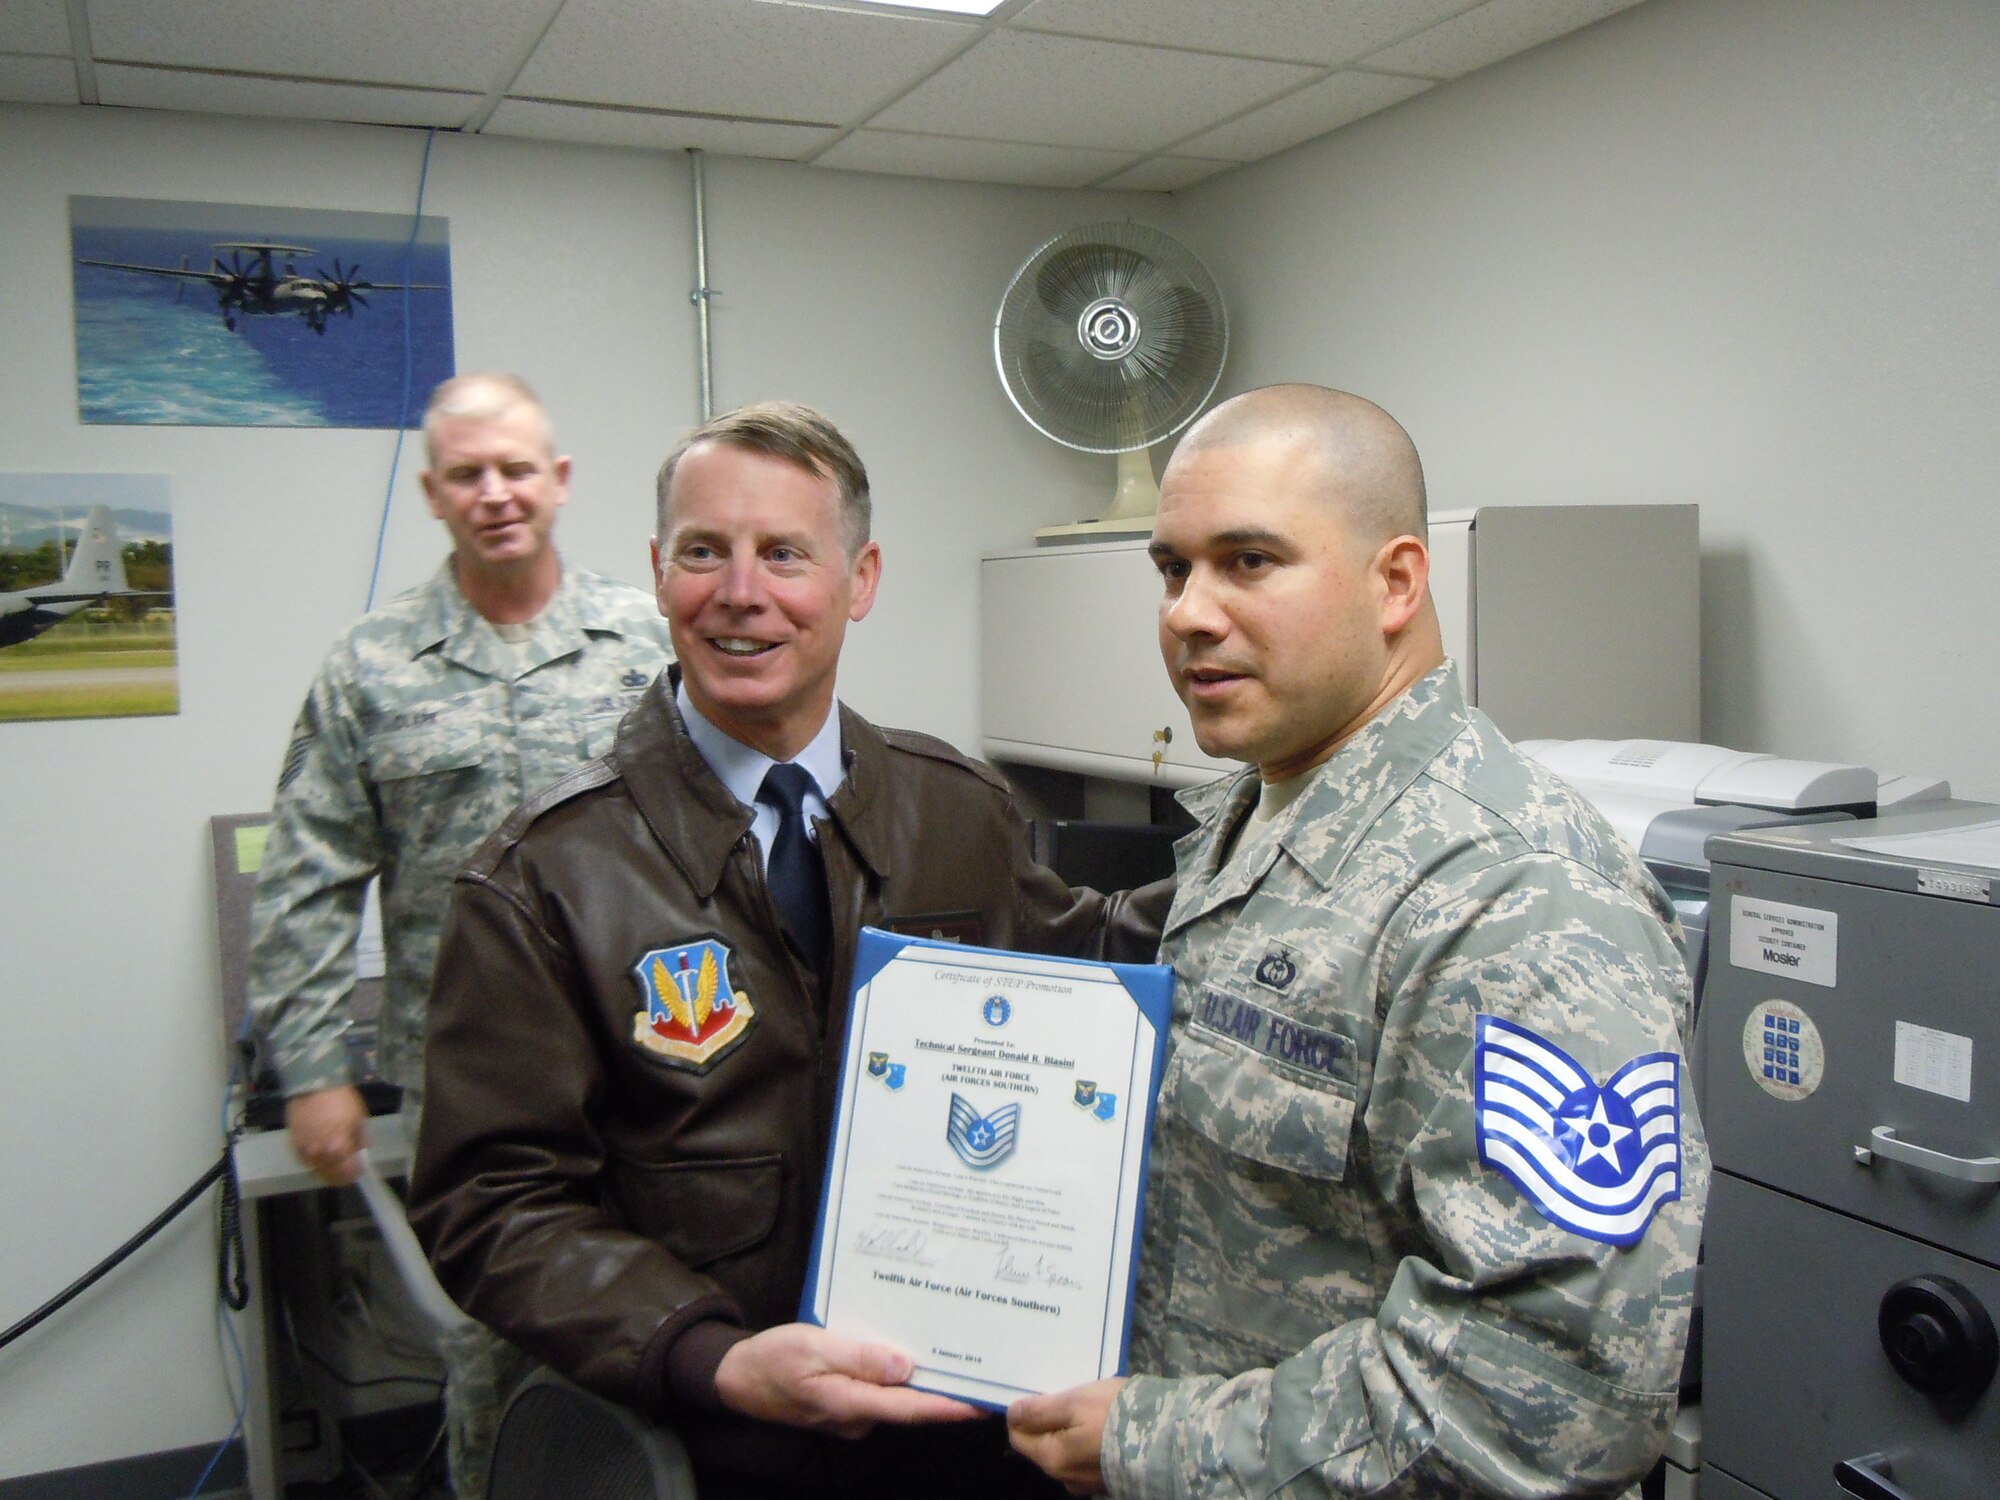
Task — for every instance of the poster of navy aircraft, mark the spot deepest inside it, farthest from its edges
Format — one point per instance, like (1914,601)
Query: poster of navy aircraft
(200,314)
(86,604)
(252,285)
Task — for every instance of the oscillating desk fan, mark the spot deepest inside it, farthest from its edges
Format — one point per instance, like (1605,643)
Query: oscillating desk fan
(1109,338)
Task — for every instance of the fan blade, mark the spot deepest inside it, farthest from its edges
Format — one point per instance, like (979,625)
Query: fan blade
(1110,337)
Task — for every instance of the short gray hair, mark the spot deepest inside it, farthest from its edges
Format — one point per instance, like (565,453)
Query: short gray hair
(481,396)
(800,436)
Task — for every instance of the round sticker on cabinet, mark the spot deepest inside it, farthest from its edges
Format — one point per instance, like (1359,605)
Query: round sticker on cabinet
(1783,1051)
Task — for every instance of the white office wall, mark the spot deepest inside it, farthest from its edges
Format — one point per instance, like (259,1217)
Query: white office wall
(1736,254)
(872,297)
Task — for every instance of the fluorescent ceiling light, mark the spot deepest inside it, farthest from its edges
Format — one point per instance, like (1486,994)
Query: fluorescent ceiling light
(951,7)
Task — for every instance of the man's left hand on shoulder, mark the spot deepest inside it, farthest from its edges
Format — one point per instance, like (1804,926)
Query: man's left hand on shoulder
(1062,1432)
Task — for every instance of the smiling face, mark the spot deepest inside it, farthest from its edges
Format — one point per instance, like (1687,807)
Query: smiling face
(1279,626)
(496,484)
(758,591)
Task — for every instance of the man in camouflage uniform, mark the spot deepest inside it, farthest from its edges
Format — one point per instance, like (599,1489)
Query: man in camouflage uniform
(430,720)
(1426,1179)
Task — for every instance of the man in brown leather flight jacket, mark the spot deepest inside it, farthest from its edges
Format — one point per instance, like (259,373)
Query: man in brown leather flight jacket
(632,1056)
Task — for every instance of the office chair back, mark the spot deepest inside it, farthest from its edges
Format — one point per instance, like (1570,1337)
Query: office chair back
(557,1441)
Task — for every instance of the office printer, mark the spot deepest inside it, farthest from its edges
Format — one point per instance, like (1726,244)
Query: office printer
(1667,798)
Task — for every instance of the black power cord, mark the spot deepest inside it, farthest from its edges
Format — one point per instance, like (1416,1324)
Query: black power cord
(235,1291)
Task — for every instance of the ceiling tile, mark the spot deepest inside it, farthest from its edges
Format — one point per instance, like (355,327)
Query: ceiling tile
(270,98)
(1497,29)
(1062,92)
(970,161)
(37,80)
(35,26)
(1318,31)
(654,132)
(454,44)
(1312,111)
(1165,174)
(749,58)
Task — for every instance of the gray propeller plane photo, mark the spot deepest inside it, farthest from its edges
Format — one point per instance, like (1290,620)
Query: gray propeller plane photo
(96,572)
(256,287)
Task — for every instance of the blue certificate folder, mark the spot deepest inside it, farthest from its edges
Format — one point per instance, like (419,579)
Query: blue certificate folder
(987,1168)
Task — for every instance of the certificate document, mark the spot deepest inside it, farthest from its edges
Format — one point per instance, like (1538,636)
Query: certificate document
(988,1162)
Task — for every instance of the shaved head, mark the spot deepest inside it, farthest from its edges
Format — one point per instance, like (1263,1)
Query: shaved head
(1368,465)
(1291,543)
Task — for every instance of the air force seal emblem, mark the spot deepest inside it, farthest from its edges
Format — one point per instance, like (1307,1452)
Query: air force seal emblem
(1596,1159)
(690,1016)
(997,1010)
(982,1142)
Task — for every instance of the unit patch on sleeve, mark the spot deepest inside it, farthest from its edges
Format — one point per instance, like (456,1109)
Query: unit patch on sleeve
(689,1015)
(1596,1159)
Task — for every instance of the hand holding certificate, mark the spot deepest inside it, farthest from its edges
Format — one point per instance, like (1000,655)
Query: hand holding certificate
(987,1165)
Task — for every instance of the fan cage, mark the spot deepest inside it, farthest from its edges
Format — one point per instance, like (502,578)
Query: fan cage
(1072,392)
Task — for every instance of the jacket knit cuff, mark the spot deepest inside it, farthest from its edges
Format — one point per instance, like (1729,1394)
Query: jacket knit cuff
(692,1360)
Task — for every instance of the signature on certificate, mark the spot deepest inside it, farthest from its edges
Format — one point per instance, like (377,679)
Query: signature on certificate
(897,1244)
(1039,1271)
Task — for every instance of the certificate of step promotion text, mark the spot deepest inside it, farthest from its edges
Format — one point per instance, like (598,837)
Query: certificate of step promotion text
(988,1163)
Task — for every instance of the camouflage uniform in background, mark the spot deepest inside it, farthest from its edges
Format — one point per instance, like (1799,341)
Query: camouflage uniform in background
(1337,1295)
(422,732)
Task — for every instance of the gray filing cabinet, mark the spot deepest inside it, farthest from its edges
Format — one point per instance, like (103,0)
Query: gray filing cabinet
(1849,1039)
(1565,620)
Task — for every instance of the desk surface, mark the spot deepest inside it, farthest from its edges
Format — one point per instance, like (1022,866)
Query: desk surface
(266,1164)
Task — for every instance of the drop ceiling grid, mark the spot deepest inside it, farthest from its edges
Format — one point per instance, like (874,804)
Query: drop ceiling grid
(1052,91)
(1163,174)
(442,44)
(743,58)
(278,98)
(654,131)
(1136,93)
(1312,31)
(1495,30)
(1337,100)
(972,160)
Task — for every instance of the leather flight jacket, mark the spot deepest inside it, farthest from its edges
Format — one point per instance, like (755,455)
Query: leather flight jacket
(603,1174)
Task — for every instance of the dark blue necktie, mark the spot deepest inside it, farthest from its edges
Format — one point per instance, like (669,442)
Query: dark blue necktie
(796,875)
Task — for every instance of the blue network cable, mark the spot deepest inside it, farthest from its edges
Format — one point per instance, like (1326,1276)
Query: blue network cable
(403,408)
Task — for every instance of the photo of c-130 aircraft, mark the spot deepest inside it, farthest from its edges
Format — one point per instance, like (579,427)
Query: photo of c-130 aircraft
(96,572)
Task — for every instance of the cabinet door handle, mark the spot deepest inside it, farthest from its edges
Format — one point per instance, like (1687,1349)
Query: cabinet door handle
(1867,1478)
(1882,1142)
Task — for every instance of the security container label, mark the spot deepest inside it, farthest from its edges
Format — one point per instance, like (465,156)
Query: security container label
(1773,937)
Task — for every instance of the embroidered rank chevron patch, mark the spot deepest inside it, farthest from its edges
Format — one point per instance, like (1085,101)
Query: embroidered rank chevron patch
(1596,1159)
